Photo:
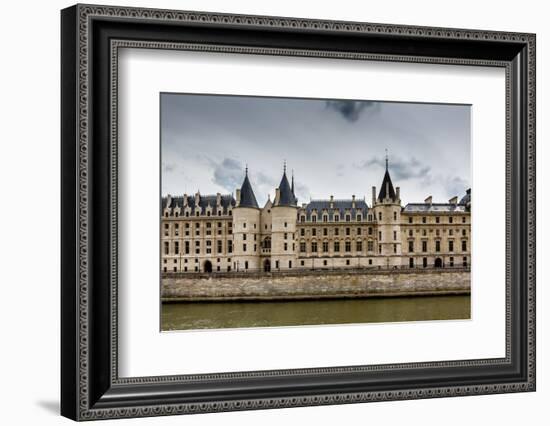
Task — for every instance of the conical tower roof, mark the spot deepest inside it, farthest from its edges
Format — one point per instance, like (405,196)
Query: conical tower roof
(387,190)
(286,194)
(248,199)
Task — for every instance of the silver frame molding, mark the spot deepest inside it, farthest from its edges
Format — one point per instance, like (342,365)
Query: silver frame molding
(91,39)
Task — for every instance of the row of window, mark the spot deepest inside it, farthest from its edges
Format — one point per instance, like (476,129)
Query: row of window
(187,247)
(335,231)
(197,213)
(336,245)
(450,219)
(438,262)
(451,246)
(438,232)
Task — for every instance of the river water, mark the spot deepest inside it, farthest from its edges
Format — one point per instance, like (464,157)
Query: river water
(208,315)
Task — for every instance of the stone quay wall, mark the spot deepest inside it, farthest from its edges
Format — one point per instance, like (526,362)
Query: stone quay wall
(313,285)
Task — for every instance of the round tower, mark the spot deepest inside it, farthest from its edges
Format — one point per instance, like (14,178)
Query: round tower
(283,227)
(387,212)
(246,230)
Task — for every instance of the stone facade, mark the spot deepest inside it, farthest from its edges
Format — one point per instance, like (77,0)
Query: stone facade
(222,234)
(315,285)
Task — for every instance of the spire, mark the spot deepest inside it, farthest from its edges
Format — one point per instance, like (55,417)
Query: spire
(387,190)
(292,189)
(248,199)
(286,193)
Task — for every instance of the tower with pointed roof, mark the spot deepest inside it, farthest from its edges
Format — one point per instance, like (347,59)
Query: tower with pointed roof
(387,214)
(283,226)
(246,228)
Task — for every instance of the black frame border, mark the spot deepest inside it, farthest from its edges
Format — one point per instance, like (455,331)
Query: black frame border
(90,388)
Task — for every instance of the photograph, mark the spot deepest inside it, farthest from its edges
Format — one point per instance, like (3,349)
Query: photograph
(278,211)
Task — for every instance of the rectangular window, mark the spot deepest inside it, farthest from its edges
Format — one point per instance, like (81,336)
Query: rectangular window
(302,247)
(379,235)
(166,247)
(451,245)
(336,246)
(325,218)
(302,232)
(438,245)
(244,237)
(313,232)
(379,215)
(410,219)
(285,236)
(314,247)
(450,219)
(394,215)
(395,248)
(358,231)
(220,246)
(411,246)
(437,219)
(187,247)
(302,219)
(286,246)
(370,230)
(336,231)
(359,246)
(463,219)
(244,247)
(348,246)
(325,246)
(359,218)
(325,231)
(370,245)
(423,219)
(451,262)
(176,247)
(348,218)
(395,235)
(230,246)
(246,264)
(424,246)
(464,245)
(290,264)
(464,261)
(411,262)
(348,231)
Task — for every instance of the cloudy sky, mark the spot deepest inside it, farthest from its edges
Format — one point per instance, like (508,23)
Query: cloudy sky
(335,147)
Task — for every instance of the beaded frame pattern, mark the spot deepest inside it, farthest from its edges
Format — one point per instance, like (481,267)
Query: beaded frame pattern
(87,12)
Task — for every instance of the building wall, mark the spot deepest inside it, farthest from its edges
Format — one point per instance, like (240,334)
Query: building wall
(367,241)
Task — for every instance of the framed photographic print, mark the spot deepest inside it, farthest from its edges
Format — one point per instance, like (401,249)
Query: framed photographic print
(263,212)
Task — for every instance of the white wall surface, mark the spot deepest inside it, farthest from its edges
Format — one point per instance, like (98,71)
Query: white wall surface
(30,225)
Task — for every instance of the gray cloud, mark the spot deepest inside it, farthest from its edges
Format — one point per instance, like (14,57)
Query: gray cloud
(351,110)
(228,174)
(455,186)
(401,169)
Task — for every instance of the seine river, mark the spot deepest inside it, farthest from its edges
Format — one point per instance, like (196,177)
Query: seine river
(198,315)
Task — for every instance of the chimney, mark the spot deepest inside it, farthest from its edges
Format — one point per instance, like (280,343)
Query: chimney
(185,201)
(277,196)
(238,197)
(332,201)
(428,200)
(373,195)
(398,193)
(168,201)
(453,200)
(353,201)
(218,199)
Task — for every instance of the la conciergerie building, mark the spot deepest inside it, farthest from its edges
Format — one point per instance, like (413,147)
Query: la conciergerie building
(221,233)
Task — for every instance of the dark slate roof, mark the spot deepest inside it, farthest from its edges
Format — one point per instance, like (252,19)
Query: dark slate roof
(204,200)
(286,195)
(467,198)
(382,194)
(434,208)
(248,199)
(340,208)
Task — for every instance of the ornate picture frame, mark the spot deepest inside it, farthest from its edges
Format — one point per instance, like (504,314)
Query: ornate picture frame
(90,384)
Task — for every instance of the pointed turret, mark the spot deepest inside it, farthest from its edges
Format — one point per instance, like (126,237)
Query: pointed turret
(387,190)
(247,197)
(285,193)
